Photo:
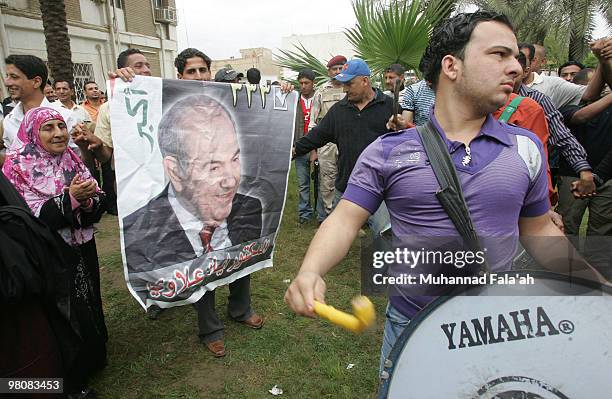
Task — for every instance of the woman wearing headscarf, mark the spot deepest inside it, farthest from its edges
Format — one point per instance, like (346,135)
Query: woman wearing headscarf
(60,191)
(34,295)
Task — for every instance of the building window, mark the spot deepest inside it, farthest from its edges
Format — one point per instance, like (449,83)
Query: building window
(82,73)
(117,3)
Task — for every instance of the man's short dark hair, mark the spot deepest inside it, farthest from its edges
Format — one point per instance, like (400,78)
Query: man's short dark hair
(306,73)
(123,56)
(89,82)
(582,77)
(397,69)
(31,66)
(70,84)
(253,76)
(569,63)
(531,49)
(450,37)
(181,60)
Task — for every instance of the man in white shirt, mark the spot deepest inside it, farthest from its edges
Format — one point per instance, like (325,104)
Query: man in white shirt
(306,79)
(560,91)
(99,144)
(49,92)
(539,58)
(65,91)
(26,76)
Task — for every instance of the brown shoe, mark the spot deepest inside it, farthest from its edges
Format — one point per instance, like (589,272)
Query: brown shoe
(216,347)
(255,321)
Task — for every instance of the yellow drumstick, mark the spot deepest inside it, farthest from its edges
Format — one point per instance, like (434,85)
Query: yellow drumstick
(363,309)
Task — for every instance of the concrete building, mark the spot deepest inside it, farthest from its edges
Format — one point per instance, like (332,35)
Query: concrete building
(99,30)
(260,58)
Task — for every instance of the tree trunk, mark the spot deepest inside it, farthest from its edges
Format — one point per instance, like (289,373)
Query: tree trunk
(57,40)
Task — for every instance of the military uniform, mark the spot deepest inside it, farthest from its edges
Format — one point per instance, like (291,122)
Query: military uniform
(324,99)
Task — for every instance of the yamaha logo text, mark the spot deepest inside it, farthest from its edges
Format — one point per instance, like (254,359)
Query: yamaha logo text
(504,327)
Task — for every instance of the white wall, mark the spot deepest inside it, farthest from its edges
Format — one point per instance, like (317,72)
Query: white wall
(88,45)
(169,69)
(172,33)
(92,13)
(18,4)
(120,19)
(25,36)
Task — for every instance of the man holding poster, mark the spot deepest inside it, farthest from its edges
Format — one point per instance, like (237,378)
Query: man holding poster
(201,180)
(199,211)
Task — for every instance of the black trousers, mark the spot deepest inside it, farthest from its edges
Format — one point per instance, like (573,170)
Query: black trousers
(210,328)
(108,186)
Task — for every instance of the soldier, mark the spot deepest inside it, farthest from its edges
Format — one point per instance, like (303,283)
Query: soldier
(323,100)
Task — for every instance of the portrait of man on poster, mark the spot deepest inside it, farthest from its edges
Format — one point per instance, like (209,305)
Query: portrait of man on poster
(200,209)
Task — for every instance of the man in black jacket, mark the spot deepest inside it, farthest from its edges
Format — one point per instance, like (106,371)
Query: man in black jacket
(352,124)
(591,125)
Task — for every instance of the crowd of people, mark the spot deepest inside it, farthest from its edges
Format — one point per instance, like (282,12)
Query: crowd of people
(52,150)
(503,122)
(532,153)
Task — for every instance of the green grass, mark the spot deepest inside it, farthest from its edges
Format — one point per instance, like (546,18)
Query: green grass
(306,358)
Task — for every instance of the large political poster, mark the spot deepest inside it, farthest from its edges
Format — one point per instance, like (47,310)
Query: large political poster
(202,172)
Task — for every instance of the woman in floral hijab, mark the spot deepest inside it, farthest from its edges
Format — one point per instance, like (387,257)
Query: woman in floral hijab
(59,190)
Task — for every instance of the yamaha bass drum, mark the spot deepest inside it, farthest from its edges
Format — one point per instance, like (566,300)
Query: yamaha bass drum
(548,340)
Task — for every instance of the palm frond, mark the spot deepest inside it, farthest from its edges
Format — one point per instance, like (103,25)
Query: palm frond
(299,59)
(397,32)
(525,15)
(567,24)
(605,7)
(581,29)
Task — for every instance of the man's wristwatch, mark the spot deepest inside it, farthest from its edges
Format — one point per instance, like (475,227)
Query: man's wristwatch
(598,180)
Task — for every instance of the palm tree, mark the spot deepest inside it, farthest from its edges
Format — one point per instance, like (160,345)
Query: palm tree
(569,24)
(531,18)
(57,40)
(301,58)
(386,33)
(581,24)
(396,32)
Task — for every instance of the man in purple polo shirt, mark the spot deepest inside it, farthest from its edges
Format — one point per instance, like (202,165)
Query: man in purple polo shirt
(471,63)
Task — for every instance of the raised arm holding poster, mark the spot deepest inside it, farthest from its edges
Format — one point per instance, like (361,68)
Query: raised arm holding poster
(201,176)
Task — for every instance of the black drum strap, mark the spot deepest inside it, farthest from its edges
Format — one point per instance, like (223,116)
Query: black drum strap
(450,194)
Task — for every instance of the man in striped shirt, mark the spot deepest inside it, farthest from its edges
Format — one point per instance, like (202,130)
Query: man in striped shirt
(560,136)
(417,102)
(419,98)
(560,91)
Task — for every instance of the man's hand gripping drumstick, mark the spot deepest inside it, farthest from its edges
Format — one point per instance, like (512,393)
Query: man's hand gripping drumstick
(327,249)
(363,315)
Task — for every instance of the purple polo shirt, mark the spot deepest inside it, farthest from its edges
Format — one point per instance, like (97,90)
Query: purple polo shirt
(505,179)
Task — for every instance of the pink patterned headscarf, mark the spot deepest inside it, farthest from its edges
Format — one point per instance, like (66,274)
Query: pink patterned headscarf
(39,175)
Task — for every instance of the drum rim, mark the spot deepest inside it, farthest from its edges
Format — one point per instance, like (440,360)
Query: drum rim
(439,301)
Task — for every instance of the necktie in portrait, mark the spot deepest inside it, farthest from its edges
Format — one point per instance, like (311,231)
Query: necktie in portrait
(206,235)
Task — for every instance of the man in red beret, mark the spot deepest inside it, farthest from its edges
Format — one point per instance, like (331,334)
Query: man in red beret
(323,100)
